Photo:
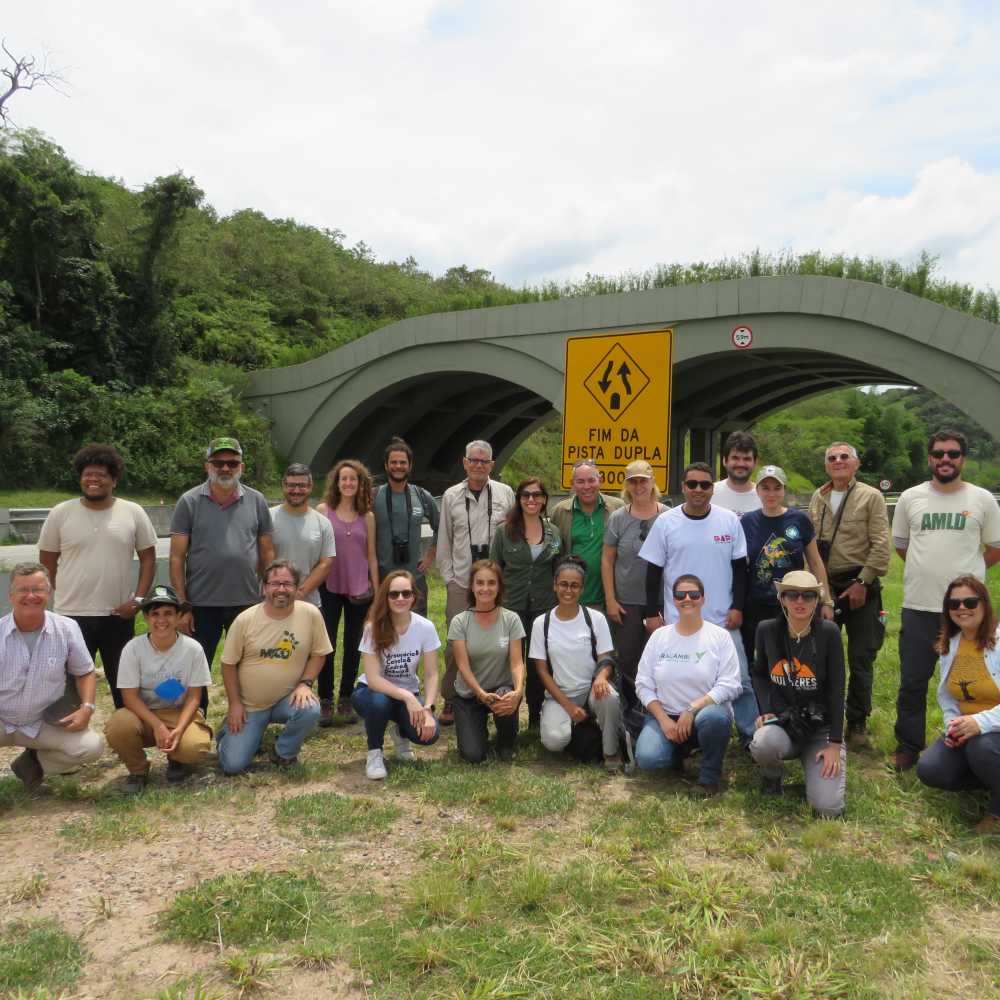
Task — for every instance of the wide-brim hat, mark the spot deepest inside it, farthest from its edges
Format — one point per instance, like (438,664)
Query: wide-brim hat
(799,579)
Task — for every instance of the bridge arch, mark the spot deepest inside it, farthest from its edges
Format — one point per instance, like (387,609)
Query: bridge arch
(444,379)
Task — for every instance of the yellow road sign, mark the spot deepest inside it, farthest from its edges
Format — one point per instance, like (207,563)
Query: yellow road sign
(617,409)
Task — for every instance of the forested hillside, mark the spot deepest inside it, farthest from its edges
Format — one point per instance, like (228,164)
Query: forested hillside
(134,316)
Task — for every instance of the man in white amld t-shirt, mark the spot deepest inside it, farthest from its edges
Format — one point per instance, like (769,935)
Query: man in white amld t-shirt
(739,458)
(940,529)
(699,537)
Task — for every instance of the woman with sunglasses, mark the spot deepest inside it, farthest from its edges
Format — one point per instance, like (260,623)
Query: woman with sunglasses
(779,539)
(968,754)
(623,573)
(688,675)
(525,547)
(394,644)
(486,642)
(572,651)
(353,578)
(798,673)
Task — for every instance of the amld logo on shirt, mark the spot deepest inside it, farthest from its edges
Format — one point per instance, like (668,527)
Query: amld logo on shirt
(945,522)
(682,657)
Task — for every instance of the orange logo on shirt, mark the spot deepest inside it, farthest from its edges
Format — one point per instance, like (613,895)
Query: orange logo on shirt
(800,674)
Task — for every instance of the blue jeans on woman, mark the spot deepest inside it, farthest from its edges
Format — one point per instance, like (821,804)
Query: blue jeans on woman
(236,750)
(378,710)
(710,732)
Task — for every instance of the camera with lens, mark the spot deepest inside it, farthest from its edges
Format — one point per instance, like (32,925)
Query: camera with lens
(801,722)
(480,552)
(400,552)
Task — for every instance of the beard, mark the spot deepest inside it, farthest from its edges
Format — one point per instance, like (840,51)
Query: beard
(96,497)
(946,477)
(739,475)
(226,480)
(398,477)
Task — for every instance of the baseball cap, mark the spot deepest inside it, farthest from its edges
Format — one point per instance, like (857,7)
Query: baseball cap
(223,444)
(161,594)
(772,472)
(639,469)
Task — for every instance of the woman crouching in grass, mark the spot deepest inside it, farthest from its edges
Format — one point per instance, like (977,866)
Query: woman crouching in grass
(968,754)
(395,641)
(486,641)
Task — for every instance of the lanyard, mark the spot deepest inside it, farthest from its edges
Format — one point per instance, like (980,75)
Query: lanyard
(489,514)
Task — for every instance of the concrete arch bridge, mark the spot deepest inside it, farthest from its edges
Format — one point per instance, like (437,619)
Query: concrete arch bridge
(444,379)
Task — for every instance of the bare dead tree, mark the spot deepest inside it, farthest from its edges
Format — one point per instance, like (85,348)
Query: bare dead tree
(25,73)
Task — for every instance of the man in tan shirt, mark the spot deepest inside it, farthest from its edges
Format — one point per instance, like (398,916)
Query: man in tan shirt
(852,532)
(273,654)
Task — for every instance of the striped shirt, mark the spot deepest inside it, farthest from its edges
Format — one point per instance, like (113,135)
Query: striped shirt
(32,680)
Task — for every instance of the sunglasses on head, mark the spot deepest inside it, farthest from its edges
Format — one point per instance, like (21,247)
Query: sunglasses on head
(954,603)
(844,456)
(698,484)
(399,595)
(952,453)
(683,595)
(801,595)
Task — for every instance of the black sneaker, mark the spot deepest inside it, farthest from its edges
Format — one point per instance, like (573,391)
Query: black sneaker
(280,761)
(28,769)
(136,783)
(507,754)
(176,772)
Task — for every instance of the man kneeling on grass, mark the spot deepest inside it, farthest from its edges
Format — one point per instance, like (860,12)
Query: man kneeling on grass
(273,654)
(161,676)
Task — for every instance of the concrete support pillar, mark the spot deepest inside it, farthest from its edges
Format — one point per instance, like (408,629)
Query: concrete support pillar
(705,447)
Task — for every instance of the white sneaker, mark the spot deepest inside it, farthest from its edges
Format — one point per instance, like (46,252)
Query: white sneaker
(375,768)
(401,745)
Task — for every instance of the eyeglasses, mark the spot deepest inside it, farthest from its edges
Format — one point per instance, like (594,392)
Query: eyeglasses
(225,463)
(644,530)
(569,585)
(281,585)
(533,495)
(954,603)
(479,461)
(687,595)
(801,595)
(400,595)
(844,456)
(33,591)
(952,453)
(698,484)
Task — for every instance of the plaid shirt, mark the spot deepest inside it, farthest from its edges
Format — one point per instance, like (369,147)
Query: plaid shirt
(30,683)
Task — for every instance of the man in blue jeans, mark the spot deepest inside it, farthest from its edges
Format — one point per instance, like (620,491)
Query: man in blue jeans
(273,654)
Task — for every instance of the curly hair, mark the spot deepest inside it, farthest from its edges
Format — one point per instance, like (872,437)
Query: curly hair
(363,498)
(104,455)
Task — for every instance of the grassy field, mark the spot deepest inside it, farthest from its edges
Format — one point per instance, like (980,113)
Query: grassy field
(540,879)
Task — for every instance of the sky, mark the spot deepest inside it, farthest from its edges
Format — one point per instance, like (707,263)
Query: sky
(550,139)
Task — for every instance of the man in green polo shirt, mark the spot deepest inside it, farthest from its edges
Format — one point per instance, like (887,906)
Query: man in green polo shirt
(580,520)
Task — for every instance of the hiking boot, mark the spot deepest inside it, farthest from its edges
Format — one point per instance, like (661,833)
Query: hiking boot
(534,722)
(903,760)
(401,745)
(345,712)
(701,791)
(771,787)
(28,769)
(280,761)
(136,783)
(447,717)
(507,754)
(857,736)
(375,766)
(613,764)
(326,713)
(988,826)
(176,772)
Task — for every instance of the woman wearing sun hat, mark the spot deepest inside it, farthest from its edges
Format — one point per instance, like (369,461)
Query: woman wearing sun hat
(798,674)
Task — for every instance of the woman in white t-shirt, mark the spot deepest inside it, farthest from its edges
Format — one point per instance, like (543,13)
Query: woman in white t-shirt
(575,662)
(688,674)
(394,643)
(486,640)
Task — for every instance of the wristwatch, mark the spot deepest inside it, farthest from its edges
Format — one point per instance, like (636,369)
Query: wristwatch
(308,683)
(90,705)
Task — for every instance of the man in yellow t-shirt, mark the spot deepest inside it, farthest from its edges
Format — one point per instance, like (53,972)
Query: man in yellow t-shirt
(273,654)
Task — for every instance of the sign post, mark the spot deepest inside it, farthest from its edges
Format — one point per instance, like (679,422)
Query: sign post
(617,404)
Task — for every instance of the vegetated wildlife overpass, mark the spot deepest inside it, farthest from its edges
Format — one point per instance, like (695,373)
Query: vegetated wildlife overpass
(445,379)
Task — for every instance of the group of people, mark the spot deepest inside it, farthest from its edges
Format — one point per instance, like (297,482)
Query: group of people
(655,630)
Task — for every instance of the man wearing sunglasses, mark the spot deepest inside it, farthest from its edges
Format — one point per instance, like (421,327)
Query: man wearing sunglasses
(219,535)
(700,537)
(852,534)
(942,529)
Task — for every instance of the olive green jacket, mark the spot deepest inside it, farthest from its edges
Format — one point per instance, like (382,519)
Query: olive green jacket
(562,517)
(527,581)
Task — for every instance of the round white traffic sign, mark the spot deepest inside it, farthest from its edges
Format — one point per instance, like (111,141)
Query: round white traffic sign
(742,337)
(885,485)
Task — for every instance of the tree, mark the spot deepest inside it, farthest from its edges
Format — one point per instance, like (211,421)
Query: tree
(25,73)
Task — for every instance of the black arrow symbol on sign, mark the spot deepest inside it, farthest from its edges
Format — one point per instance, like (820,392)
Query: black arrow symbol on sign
(624,371)
(605,381)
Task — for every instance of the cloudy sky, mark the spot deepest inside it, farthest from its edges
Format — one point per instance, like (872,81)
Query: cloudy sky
(548,139)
